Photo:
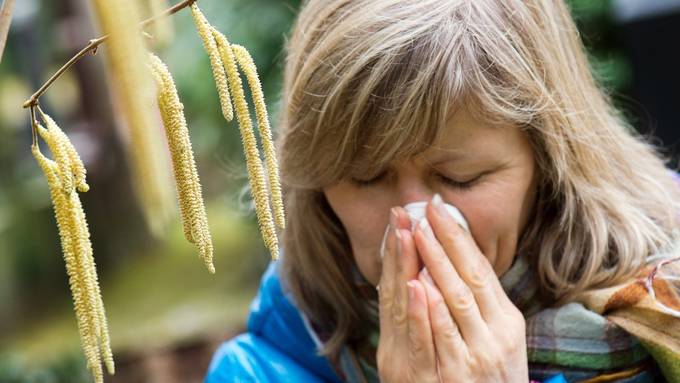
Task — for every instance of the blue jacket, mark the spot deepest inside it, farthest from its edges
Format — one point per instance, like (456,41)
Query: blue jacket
(277,346)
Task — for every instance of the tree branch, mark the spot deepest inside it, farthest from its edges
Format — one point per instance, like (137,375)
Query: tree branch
(92,46)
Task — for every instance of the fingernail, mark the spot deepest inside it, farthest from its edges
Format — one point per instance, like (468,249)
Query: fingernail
(425,228)
(439,206)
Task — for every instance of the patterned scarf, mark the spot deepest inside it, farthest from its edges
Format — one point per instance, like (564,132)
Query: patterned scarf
(604,336)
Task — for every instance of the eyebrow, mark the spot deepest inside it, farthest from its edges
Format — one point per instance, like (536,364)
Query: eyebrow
(448,157)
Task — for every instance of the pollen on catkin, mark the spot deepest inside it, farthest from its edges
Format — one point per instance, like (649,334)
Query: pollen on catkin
(58,149)
(192,208)
(77,169)
(247,65)
(76,246)
(204,30)
(253,163)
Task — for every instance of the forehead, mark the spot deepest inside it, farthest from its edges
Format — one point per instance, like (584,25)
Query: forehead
(468,138)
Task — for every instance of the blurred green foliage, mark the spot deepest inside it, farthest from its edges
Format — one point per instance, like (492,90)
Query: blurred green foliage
(598,33)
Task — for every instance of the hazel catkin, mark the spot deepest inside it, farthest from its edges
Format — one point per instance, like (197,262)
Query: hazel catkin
(253,163)
(205,32)
(247,65)
(77,169)
(75,242)
(192,208)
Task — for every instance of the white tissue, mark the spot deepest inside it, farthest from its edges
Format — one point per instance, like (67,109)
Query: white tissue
(416,211)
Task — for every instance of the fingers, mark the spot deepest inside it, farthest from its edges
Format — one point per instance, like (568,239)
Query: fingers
(472,266)
(449,345)
(387,295)
(457,295)
(400,265)
(422,358)
(408,263)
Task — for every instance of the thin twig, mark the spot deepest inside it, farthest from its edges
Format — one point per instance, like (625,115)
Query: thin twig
(5,21)
(34,131)
(92,46)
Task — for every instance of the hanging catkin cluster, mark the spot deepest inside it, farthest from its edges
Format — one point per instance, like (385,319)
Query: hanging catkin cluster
(192,209)
(66,173)
(65,177)
(224,59)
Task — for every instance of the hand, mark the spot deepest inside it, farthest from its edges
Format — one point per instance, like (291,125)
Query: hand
(478,334)
(406,351)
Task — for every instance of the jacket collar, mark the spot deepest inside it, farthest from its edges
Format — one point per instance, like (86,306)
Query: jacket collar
(275,318)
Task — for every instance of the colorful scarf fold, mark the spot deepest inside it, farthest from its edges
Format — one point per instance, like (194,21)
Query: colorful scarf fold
(616,334)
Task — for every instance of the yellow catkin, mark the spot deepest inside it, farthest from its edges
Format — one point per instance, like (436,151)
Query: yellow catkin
(86,327)
(253,163)
(133,91)
(204,30)
(58,149)
(245,61)
(77,167)
(97,305)
(182,174)
(76,245)
(192,208)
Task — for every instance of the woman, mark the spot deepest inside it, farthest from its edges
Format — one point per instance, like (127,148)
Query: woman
(489,106)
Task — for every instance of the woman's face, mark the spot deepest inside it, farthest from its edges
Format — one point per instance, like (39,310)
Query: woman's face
(491,171)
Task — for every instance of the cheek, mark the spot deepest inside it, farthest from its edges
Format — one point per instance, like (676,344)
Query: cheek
(494,214)
(364,221)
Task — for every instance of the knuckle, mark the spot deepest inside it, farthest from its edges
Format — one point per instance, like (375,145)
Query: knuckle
(462,298)
(386,292)
(508,346)
(479,275)
(451,333)
(454,234)
(399,315)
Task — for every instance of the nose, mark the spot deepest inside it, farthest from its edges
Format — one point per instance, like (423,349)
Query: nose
(411,186)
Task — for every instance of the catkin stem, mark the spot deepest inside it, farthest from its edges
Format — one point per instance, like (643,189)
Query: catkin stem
(92,47)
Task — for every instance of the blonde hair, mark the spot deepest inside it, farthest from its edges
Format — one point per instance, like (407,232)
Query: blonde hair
(370,81)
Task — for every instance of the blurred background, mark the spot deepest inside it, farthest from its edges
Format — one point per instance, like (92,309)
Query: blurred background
(166,313)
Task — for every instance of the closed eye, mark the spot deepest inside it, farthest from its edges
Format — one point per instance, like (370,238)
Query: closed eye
(461,185)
